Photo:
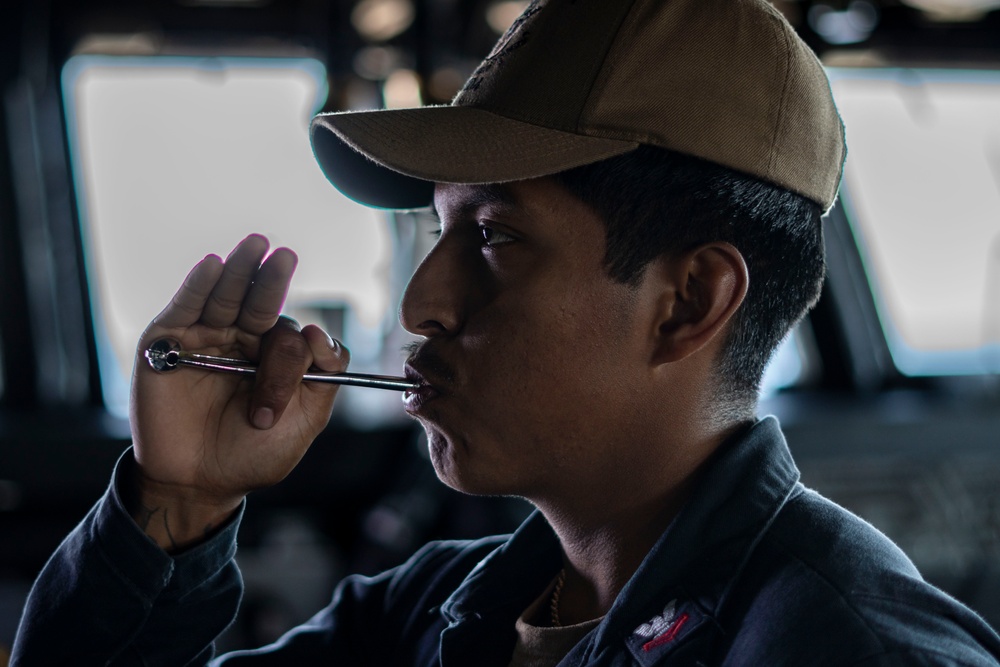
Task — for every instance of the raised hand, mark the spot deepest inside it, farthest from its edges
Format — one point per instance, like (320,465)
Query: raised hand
(203,440)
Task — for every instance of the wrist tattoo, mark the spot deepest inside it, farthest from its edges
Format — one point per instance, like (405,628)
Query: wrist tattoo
(146,518)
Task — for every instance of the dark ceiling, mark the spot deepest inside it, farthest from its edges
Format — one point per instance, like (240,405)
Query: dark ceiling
(34,34)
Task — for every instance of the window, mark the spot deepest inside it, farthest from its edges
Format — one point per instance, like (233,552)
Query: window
(177,157)
(922,192)
(793,363)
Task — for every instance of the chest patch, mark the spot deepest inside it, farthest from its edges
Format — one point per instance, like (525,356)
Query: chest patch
(661,629)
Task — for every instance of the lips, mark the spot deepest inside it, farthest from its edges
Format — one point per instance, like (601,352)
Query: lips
(433,375)
(415,399)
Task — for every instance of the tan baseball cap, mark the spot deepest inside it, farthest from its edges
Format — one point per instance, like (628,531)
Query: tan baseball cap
(577,81)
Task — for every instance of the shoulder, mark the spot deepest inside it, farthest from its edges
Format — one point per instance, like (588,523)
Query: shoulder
(389,619)
(424,581)
(836,544)
(833,585)
(438,568)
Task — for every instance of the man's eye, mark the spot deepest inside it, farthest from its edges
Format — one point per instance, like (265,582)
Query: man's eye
(493,237)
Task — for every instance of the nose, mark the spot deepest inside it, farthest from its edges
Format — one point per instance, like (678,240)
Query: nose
(432,303)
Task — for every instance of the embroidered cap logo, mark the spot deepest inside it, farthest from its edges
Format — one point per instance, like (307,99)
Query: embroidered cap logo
(504,47)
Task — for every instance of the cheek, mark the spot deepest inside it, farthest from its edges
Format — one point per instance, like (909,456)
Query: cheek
(568,340)
(577,350)
(534,362)
(548,395)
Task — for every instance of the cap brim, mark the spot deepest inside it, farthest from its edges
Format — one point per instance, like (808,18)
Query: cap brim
(392,158)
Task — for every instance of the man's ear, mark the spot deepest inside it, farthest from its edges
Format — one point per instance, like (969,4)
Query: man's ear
(700,291)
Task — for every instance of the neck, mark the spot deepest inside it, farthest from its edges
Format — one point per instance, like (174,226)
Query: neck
(605,542)
(599,559)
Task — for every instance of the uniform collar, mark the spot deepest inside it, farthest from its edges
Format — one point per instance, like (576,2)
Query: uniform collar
(694,563)
(702,553)
(511,577)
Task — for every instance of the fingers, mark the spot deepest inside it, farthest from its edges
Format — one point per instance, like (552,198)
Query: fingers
(265,297)
(286,353)
(246,290)
(327,354)
(186,306)
(223,306)
(244,295)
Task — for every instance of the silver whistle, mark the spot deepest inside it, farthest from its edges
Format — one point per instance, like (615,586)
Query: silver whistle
(165,355)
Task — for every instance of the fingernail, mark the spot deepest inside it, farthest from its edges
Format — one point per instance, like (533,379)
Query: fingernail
(263,418)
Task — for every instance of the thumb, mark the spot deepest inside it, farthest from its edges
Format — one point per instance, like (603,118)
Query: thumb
(330,356)
(284,357)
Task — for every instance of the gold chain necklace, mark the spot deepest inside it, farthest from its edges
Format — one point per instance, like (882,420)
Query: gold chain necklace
(554,602)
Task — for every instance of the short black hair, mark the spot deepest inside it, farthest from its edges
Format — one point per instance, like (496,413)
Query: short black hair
(656,201)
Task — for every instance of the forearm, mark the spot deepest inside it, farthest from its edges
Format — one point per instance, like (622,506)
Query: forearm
(174,518)
(110,596)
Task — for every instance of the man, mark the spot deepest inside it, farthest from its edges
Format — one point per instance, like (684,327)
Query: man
(629,196)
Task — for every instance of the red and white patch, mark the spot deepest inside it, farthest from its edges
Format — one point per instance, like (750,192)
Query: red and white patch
(661,629)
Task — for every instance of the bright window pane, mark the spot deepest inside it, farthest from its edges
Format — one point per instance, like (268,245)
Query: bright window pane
(922,190)
(787,367)
(175,158)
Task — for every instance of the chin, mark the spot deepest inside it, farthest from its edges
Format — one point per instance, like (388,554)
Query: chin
(456,469)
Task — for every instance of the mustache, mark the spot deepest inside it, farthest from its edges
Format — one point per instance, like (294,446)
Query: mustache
(425,359)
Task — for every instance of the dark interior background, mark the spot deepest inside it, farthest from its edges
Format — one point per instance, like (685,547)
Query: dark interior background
(918,457)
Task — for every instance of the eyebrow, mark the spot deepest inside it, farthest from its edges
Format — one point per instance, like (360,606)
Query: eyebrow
(480,196)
